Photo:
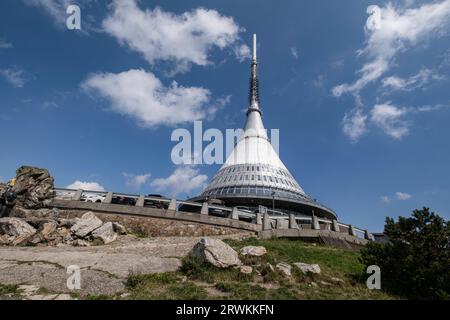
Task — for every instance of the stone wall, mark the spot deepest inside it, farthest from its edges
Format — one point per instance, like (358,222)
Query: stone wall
(140,226)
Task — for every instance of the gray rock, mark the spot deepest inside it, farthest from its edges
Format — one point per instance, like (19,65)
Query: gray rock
(284,268)
(67,223)
(48,228)
(16,227)
(81,243)
(308,268)
(246,269)
(105,232)
(216,252)
(120,229)
(6,239)
(88,223)
(253,251)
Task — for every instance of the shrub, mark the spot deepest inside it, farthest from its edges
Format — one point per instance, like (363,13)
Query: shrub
(415,262)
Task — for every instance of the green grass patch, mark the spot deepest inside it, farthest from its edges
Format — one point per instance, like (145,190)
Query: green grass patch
(163,286)
(9,289)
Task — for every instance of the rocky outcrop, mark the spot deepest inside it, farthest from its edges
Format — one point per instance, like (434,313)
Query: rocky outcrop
(216,252)
(33,187)
(39,230)
(308,268)
(253,251)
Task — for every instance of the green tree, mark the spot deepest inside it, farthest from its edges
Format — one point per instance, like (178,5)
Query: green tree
(415,262)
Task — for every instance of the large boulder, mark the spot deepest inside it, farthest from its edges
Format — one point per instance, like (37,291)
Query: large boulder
(105,233)
(16,227)
(33,187)
(88,223)
(216,252)
(253,251)
(308,268)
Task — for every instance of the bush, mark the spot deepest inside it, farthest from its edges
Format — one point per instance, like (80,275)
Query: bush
(415,262)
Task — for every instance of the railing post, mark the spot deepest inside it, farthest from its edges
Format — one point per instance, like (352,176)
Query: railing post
(335,225)
(173,205)
(351,230)
(108,198)
(258,218)
(140,201)
(292,223)
(235,214)
(315,223)
(205,209)
(266,222)
(368,235)
(77,195)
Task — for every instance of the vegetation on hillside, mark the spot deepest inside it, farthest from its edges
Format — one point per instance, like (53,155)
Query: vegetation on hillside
(341,276)
(416,261)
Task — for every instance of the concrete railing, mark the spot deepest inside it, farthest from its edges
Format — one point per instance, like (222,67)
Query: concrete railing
(266,221)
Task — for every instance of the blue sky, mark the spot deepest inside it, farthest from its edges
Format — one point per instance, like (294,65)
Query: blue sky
(360,94)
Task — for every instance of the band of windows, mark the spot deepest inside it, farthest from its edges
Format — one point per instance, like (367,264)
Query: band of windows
(261,173)
(258,191)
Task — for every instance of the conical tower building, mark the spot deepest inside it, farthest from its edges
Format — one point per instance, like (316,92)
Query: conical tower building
(253,173)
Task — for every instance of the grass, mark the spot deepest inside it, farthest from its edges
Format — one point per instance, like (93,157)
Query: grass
(9,290)
(163,286)
(197,280)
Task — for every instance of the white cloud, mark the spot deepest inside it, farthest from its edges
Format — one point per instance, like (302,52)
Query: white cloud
(242,52)
(294,52)
(84,185)
(183,180)
(389,118)
(402,196)
(159,35)
(5,45)
(390,31)
(15,76)
(392,119)
(136,180)
(385,199)
(354,124)
(142,96)
(419,80)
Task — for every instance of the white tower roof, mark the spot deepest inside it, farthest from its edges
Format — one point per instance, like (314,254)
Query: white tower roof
(253,162)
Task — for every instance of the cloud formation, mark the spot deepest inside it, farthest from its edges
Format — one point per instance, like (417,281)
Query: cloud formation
(5,44)
(136,181)
(141,96)
(84,185)
(183,180)
(419,80)
(15,76)
(184,39)
(400,196)
(390,31)
(354,124)
(390,119)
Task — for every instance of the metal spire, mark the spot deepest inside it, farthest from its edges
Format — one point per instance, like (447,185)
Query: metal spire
(253,98)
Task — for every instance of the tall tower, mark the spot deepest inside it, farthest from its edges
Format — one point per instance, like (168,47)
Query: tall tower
(253,173)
